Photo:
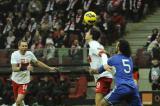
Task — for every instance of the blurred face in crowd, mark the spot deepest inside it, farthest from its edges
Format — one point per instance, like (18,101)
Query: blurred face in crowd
(75,42)
(155,31)
(23,47)
(158,38)
(88,36)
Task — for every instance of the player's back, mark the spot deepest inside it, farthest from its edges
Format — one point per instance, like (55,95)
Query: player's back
(124,67)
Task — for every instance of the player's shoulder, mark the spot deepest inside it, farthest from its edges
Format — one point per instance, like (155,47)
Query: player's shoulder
(95,44)
(29,52)
(15,52)
(115,56)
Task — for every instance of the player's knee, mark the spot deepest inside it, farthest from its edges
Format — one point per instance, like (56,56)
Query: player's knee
(18,102)
(104,103)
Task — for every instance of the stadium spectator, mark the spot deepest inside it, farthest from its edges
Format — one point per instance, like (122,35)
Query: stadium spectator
(49,50)
(61,89)
(7,92)
(37,47)
(35,8)
(44,90)
(8,27)
(154,77)
(51,6)
(154,49)
(152,37)
(71,5)
(75,48)
(10,40)
(154,44)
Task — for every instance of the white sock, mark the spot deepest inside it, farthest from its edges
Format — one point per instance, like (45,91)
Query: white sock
(14,104)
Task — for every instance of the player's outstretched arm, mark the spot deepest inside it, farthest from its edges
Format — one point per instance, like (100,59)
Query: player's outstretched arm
(43,65)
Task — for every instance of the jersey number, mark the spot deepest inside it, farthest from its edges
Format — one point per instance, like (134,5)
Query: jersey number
(126,65)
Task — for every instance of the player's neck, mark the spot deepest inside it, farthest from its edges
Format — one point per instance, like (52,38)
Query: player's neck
(90,40)
(21,52)
(119,52)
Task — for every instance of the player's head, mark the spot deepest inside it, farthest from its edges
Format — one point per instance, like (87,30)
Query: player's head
(92,34)
(123,47)
(23,46)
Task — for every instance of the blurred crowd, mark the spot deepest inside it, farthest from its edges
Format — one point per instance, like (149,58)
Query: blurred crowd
(58,23)
(153,49)
(44,90)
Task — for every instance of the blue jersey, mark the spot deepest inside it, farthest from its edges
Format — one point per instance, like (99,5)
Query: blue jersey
(125,87)
(124,69)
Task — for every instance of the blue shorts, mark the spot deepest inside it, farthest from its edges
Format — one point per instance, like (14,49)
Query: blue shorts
(124,93)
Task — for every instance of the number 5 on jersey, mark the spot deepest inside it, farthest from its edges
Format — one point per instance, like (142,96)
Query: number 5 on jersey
(127,67)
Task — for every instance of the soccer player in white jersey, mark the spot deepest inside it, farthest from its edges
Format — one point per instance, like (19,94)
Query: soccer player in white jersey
(21,66)
(98,57)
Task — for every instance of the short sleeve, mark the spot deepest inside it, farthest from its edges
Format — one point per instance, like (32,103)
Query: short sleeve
(111,61)
(33,57)
(13,59)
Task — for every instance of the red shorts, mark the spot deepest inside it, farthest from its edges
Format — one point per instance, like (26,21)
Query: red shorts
(103,85)
(19,89)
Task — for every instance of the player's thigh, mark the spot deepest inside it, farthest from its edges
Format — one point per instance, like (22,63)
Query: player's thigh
(136,101)
(104,103)
(20,97)
(117,94)
(15,89)
(103,85)
(22,89)
(98,98)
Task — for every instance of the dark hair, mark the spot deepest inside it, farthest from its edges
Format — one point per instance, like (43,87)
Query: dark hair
(95,33)
(124,47)
(19,42)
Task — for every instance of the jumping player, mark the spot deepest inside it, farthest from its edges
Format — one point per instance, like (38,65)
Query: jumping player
(98,57)
(21,66)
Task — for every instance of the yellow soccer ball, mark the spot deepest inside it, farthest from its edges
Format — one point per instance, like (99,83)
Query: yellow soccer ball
(90,18)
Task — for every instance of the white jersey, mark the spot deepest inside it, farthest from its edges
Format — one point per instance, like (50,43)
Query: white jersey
(95,50)
(22,77)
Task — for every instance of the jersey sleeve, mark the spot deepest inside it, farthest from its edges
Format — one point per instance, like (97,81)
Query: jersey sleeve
(33,57)
(111,61)
(13,59)
(101,69)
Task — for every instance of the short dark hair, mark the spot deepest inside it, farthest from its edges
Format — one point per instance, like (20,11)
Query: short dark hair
(19,42)
(95,33)
(124,47)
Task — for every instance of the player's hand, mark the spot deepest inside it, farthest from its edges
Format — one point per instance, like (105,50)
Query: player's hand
(53,69)
(30,67)
(93,71)
(107,67)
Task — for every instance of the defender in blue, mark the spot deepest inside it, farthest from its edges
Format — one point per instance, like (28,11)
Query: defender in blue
(125,88)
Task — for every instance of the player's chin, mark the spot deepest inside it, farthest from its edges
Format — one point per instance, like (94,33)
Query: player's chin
(23,51)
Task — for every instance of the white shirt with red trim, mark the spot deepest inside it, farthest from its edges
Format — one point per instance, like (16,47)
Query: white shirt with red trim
(95,59)
(22,77)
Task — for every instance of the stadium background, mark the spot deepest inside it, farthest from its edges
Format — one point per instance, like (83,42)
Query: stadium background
(134,24)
